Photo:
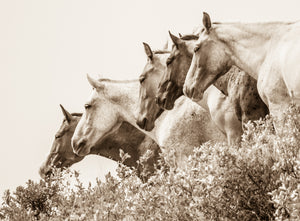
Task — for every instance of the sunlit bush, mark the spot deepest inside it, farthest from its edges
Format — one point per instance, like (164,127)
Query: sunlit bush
(259,180)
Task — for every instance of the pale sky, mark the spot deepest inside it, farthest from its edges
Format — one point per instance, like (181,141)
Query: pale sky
(47,47)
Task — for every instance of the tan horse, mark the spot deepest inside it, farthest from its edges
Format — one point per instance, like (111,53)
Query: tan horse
(269,52)
(126,138)
(113,102)
(215,102)
(239,88)
(149,111)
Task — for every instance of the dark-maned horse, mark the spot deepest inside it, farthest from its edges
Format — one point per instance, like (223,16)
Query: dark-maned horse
(239,88)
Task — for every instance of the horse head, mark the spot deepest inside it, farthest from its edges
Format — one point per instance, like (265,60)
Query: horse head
(100,118)
(149,111)
(210,61)
(179,61)
(61,154)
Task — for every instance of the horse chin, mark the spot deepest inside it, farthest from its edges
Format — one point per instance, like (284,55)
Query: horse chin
(196,99)
(149,126)
(170,101)
(196,96)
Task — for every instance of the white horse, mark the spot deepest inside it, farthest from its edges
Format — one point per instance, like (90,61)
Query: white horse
(269,52)
(113,102)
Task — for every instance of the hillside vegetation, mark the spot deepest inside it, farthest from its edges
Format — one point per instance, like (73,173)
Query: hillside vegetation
(257,181)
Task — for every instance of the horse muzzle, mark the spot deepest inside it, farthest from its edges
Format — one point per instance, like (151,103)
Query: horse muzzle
(80,147)
(192,93)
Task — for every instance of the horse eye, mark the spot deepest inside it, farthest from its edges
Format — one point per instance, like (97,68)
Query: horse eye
(57,136)
(169,61)
(196,48)
(142,79)
(87,106)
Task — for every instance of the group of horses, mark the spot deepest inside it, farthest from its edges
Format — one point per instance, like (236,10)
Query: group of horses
(204,89)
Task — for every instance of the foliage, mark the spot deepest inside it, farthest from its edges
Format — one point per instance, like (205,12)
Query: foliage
(258,180)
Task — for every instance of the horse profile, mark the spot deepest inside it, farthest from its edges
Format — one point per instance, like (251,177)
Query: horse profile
(269,52)
(240,88)
(113,102)
(215,102)
(149,111)
(126,138)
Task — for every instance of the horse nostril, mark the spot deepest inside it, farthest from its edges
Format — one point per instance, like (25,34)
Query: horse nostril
(160,101)
(45,173)
(81,143)
(192,92)
(156,100)
(164,101)
(185,91)
(48,173)
(142,124)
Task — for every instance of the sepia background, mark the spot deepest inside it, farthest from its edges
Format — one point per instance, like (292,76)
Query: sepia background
(47,47)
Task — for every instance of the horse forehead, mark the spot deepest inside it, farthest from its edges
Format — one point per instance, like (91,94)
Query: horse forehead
(149,67)
(96,97)
(63,128)
(175,52)
(159,59)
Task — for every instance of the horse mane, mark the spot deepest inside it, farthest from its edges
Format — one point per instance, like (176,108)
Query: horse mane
(116,81)
(161,52)
(76,114)
(189,37)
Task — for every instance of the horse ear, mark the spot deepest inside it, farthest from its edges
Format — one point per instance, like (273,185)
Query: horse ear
(148,51)
(206,21)
(67,115)
(175,39)
(95,84)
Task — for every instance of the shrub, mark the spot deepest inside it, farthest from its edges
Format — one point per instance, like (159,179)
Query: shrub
(259,180)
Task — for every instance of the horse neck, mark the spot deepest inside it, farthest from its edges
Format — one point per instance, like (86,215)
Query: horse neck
(126,138)
(223,82)
(125,94)
(248,44)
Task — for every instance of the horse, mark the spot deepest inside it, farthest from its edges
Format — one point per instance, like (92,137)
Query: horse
(215,102)
(269,52)
(239,88)
(113,102)
(126,138)
(152,74)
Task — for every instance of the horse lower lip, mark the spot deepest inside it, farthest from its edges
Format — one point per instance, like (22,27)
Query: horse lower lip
(81,150)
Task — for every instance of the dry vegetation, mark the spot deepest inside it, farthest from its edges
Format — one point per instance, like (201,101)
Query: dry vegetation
(257,181)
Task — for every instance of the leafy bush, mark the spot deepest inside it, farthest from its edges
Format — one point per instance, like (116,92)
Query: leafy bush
(258,180)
